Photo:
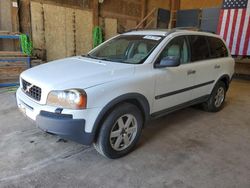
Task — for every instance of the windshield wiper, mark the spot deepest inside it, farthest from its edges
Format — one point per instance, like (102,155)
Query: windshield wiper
(99,58)
(104,58)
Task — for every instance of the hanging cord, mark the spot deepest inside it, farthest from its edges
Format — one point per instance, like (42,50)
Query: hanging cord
(26,44)
(97,36)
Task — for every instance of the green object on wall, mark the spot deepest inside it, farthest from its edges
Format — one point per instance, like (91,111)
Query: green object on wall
(26,44)
(97,36)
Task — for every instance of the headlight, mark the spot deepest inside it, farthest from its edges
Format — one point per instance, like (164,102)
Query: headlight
(71,99)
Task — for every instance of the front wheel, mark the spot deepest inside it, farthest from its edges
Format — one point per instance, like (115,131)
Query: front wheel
(216,99)
(120,131)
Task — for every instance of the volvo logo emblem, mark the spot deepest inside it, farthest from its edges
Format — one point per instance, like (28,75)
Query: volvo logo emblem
(27,90)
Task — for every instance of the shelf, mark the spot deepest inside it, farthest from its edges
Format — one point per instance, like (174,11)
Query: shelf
(9,36)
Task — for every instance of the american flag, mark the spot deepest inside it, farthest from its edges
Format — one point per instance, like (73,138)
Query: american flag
(234,26)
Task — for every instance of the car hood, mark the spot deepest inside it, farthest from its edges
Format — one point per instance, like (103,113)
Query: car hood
(76,72)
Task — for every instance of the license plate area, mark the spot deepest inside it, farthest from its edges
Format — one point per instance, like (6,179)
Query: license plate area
(23,107)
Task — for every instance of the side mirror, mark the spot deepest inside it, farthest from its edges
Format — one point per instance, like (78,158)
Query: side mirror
(169,61)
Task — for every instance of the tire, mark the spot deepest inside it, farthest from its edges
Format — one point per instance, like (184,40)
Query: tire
(120,131)
(216,99)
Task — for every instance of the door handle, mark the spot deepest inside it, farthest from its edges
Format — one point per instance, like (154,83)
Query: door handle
(191,72)
(217,66)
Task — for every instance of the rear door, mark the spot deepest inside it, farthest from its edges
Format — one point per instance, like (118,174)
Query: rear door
(219,55)
(205,74)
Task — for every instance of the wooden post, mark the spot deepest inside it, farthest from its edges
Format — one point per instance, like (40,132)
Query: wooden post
(174,6)
(143,10)
(95,13)
(25,16)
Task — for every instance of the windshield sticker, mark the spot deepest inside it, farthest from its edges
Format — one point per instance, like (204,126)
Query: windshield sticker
(150,37)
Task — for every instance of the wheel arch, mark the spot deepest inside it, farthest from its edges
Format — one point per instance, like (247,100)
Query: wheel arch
(137,99)
(225,78)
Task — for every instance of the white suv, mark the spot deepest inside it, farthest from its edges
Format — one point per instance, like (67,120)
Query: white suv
(106,97)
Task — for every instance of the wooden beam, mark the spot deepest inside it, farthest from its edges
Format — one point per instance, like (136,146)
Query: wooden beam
(174,7)
(95,13)
(25,16)
(176,4)
(145,18)
(143,9)
(118,16)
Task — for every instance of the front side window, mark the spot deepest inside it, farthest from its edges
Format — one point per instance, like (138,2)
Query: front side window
(217,48)
(132,49)
(176,48)
(199,48)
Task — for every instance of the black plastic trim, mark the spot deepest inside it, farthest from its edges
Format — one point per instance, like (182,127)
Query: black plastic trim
(228,80)
(182,90)
(28,106)
(64,126)
(180,106)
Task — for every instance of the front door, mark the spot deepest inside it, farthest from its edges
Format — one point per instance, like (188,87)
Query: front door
(173,85)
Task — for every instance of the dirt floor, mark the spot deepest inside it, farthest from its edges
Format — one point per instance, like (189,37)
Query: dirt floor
(188,148)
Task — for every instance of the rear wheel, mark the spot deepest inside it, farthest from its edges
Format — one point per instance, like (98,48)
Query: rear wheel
(216,99)
(120,131)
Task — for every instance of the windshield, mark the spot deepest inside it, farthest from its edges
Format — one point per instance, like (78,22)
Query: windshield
(133,49)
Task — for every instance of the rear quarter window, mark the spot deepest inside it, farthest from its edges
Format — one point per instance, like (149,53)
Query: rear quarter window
(217,48)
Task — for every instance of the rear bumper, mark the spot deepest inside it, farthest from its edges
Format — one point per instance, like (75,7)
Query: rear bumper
(64,126)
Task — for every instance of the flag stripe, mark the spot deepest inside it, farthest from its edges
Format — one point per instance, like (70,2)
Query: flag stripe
(223,24)
(220,21)
(227,25)
(233,30)
(245,46)
(237,27)
(230,27)
(244,32)
(248,51)
(240,31)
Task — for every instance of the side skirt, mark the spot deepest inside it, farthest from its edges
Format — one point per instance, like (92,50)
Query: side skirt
(180,106)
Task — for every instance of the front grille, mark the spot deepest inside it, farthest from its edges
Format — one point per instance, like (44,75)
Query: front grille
(31,90)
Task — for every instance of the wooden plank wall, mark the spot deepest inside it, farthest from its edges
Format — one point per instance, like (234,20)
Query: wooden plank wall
(6,24)
(165,4)
(79,4)
(9,72)
(60,30)
(122,9)
(126,12)
(194,4)
(49,18)
(110,28)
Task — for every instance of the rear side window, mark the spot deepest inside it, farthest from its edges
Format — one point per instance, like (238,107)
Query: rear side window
(217,48)
(199,48)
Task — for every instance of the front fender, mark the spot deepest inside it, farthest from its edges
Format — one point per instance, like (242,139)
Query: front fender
(137,98)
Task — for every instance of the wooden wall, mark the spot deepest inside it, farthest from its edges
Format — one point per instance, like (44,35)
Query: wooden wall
(126,12)
(9,23)
(122,9)
(193,4)
(80,4)
(62,28)
(157,4)
(60,31)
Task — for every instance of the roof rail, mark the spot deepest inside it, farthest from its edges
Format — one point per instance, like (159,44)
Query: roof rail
(191,29)
(143,29)
(170,30)
(188,28)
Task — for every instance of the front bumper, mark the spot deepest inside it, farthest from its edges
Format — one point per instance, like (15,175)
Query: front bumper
(64,126)
(76,125)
